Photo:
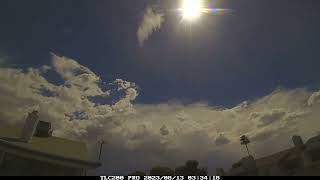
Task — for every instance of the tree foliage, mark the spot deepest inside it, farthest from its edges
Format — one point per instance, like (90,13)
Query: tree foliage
(161,171)
(244,140)
(191,169)
(137,173)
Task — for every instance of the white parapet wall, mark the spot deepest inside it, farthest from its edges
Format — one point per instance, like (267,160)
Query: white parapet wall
(30,127)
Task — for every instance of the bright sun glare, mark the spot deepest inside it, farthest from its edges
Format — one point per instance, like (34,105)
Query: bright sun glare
(191,9)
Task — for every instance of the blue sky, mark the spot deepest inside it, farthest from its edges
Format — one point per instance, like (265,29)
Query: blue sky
(228,59)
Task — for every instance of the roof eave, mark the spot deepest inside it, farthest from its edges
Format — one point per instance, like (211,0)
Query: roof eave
(46,157)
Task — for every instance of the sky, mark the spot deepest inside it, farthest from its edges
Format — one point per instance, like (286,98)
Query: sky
(153,87)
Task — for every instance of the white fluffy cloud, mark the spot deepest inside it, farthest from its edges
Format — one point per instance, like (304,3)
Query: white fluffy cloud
(76,75)
(140,136)
(23,91)
(211,135)
(314,98)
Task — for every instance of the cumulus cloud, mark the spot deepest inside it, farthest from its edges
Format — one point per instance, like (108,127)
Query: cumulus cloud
(45,68)
(65,105)
(269,117)
(262,136)
(150,22)
(314,98)
(221,140)
(140,136)
(140,132)
(76,75)
(164,130)
(182,116)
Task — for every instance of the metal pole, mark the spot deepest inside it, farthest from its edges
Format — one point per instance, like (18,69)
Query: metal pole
(101,144)
(2,155)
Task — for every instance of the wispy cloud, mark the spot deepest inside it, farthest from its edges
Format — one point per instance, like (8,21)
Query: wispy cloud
(150,22)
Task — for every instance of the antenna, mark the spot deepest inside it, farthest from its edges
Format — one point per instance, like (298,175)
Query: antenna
(102,142)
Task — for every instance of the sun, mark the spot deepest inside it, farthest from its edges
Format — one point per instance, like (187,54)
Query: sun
(191,9)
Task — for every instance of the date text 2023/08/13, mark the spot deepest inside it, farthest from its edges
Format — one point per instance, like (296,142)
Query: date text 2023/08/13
(159,177)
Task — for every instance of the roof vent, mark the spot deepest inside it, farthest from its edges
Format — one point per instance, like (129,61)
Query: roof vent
(30,126)
(43,129)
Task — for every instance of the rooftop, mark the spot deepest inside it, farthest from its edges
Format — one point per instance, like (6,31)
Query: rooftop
(273,158)
(49,148)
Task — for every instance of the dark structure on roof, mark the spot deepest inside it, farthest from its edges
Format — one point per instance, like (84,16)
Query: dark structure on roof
(43,129)
(34,151)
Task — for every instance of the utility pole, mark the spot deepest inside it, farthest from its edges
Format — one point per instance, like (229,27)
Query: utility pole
(2,156)
(101,144)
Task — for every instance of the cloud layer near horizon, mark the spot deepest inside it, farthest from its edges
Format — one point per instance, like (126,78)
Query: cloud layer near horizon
(140,136)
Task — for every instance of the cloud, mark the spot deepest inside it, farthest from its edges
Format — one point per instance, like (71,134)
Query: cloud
(164,130)
(262,136)
(68,106)
(150,22)
(182,116)
(140,133)
(221,140)
(76,75)
(314,98)
(267,118)
(45,68)
(140,136)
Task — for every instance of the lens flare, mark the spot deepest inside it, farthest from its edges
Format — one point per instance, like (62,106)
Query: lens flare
(192,9)
(214,10)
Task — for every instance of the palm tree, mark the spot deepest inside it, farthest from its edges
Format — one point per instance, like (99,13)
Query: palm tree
(245,141)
